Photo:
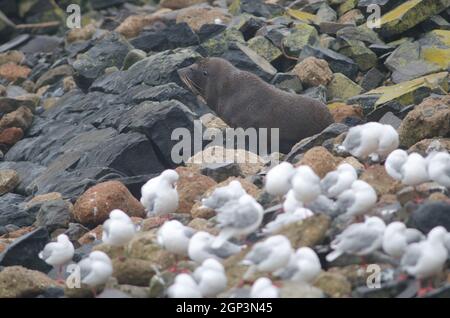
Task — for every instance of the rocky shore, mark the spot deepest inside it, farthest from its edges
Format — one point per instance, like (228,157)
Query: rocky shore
(87,115)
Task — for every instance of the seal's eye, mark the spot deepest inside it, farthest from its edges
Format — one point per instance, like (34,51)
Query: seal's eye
(205,73)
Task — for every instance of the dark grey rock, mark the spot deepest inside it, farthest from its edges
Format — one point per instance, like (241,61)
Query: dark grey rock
(387,290)
(13,212)
(430,215)
(249,26)
(304,145)
(248,60)
(27,171)
(287,82)
(52,292)
(259,8)
(24,251)
(157,121)
(221,171)
(102,4)
(338,63)
(42,44)
(173,36)
(325,14)
(75,231)
(208,31)
(54,215)
(108,51)
(367,102)
(331,27)
(13,43)
(390,119)
(372,79)
(317,92)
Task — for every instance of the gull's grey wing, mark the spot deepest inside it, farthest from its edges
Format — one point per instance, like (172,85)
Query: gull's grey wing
(85,267)
(345,201)
(258,254)
(46,252)
(226,250)
(414,235)
(217,199)
(237,215)
(188,232)
(329,181)
(353,140)
(412,255)
(447,244)
(358,239)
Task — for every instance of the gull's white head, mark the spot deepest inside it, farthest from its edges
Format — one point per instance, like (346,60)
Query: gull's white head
(100,256)
(171,176)
(437,234)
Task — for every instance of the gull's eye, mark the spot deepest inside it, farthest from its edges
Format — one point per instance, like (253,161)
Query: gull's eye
(205,73)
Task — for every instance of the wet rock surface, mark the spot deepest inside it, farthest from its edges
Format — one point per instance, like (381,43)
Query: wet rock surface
(88,115)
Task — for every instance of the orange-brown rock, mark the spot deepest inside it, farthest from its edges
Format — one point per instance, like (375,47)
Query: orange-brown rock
(341,111)
(12,72)
(320,160)
(10,136)
(191,186)
(94,205)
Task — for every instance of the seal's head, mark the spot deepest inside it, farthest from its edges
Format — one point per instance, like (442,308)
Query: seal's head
(207,78)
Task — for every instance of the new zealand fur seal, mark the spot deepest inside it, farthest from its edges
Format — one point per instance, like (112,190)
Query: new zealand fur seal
(244,100)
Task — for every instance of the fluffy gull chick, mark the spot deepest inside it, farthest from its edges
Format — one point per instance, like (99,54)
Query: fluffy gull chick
(210,278)
(357,200)
(306,184)
(362,140)
(410,169)
(336,182)
(159,194)
(269,255)
(263,288)
(95,269)
(284,219)
(291,203)
(58,253)
(238,218)
(200,248)
(388,142)
(184,287)
(278,179)
(358,238)
(438,164)
(174,237)
(397,237)
(303,267)
(222,195)
(118,230)
(426,258)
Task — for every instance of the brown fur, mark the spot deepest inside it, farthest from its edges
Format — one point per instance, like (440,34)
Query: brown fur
(242,99)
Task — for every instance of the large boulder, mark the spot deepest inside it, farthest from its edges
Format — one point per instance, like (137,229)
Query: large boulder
(94,206)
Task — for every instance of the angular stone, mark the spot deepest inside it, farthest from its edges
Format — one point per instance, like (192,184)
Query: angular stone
(409,14)
(342,88)
(24,251)
(263,47)
(108,51)
(429,119)
(300,36)
(338,63)
(313,71)
(411,92)
(9,179)
(54,215)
